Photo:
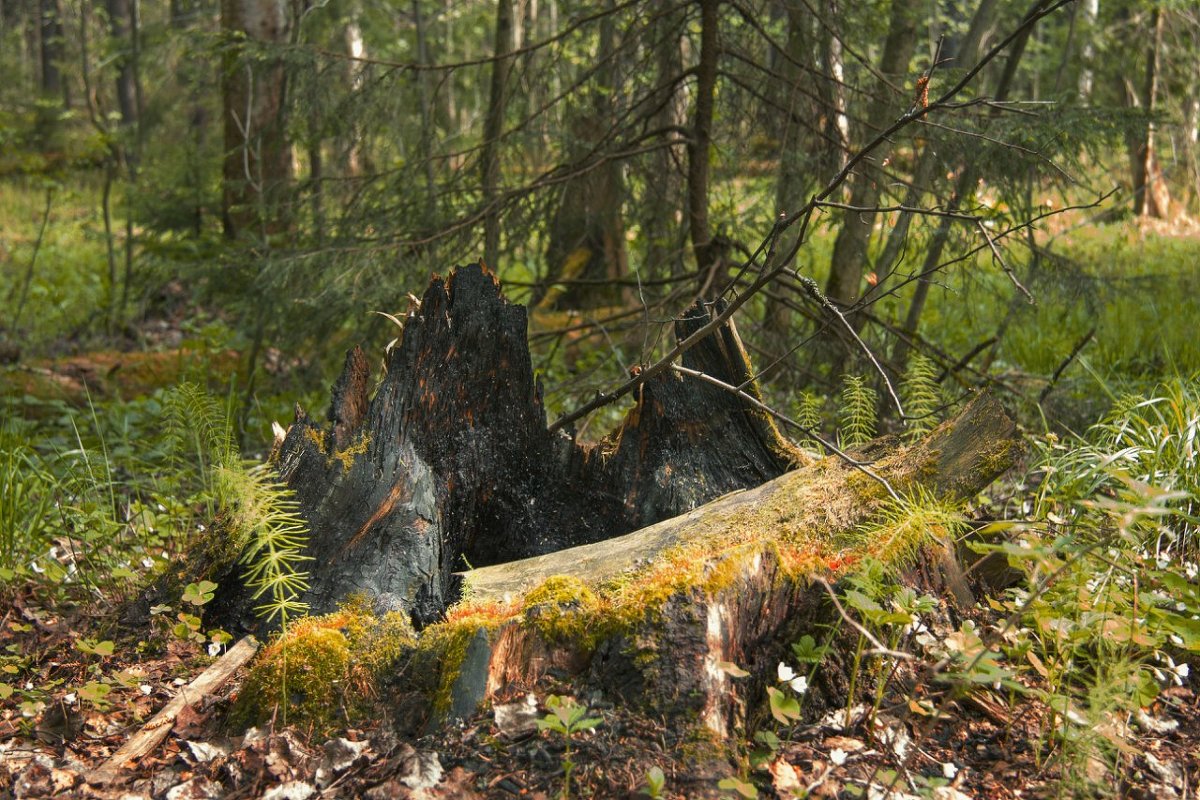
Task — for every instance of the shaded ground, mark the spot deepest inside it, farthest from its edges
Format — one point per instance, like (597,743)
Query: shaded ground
(984,747)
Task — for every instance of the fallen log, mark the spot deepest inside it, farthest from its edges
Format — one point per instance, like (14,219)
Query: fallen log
(651,617)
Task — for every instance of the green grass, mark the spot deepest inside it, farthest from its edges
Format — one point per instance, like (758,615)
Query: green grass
(69,288)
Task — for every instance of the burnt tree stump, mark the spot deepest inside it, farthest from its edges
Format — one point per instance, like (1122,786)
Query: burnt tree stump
(450,464)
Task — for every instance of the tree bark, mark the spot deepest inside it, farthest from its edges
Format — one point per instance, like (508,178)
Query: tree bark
(1150,195)
(258,157)
(51,30)
(963,186)
(700,144)
(587,233)
(850,247)
(667,658)
(493,128)
(451,465)
(663,242)
(796,167)
(120,21)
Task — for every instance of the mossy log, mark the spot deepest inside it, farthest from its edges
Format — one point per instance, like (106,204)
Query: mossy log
(651,617)
(450,463)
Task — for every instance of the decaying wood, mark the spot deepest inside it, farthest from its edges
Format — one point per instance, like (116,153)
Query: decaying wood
(957,460)
(450,464)
(156,729)
(671,658)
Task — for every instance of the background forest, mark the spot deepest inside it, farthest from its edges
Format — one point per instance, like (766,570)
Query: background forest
(204,204)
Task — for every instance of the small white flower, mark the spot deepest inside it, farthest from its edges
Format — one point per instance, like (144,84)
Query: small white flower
(161,508)
(837,756)
(949,769)
(214,649)
(69,698)
(200,527)
(147,562)
(146,689)
(1176,639)
(1181,606)
(799,683)
(1162,562)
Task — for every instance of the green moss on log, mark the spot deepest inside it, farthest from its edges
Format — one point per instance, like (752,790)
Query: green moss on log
(324,666)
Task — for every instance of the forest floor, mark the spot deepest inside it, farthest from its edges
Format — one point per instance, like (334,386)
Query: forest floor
(988,745)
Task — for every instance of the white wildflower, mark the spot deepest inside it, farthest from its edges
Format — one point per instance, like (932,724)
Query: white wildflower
(837,756)
(799,683)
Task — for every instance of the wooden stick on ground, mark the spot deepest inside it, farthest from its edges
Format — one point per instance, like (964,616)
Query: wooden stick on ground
(153,732)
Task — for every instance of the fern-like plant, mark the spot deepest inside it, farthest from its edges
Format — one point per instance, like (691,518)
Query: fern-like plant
(896,533)
(266,517)
(920,394)
(808,414)
(263,517)
(858,414)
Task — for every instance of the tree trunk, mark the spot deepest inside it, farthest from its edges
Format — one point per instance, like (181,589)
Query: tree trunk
(663,244)
(587,233)
(493,127)
(1151,197)
(120,20)
(708,256)
(963,186)
(850,247)
(796,167)
(50,22)
(258,156)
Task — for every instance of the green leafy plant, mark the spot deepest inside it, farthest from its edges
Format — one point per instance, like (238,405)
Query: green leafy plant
(921,396)
(567,718)
(807,412)
(859,412)
(656,783)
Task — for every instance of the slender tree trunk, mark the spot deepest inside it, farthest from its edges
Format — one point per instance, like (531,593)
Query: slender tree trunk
(965,184)
(493,128)
(662,202)
(123,25)
(1087,77)
(258,156)
(120,20)
(700,144)
(850,247)
(425,98)
(1150,195)
(837,121)
(587,233)
(795,165)
(50,24)
(351,146)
